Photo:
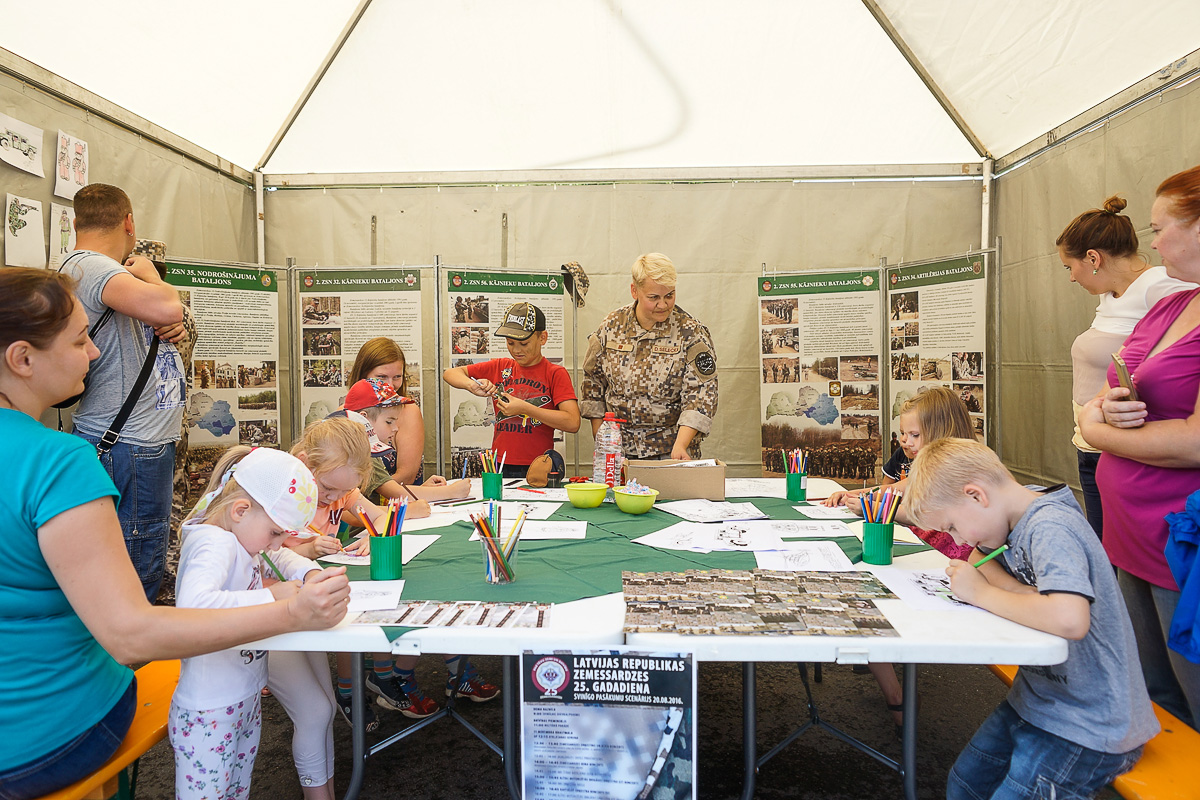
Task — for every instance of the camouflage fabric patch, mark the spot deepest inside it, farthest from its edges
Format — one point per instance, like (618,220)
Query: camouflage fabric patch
(701,356)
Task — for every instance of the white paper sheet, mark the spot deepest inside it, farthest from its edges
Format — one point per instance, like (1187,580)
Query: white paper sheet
(809,528)
(698,537)
(70,166)
(413,545)
(509,510)
(374,595)
(821,512)
(711,511)
(21,145)
(546,495)
(62,233)
(24,235)
(923,589)
(805,557)
(539,531)
(755,487)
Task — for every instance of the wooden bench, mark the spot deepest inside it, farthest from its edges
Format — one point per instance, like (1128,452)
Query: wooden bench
(155,684)
(1167,768)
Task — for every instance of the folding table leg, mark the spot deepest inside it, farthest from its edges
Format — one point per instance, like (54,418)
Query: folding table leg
(512,721)
(749,732)
(359,717)
(908,747)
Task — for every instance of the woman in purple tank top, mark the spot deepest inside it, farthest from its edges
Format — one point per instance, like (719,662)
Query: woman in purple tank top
(1151,459)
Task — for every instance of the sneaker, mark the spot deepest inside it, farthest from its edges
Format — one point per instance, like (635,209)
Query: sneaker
(474,688)
(344,706)
(412,703)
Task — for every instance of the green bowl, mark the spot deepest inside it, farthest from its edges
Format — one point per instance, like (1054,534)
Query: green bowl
(632,503)
(586,495)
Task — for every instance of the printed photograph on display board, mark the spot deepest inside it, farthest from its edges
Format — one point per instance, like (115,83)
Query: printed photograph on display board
(937,334)
(477,303)
(617,724)
(820,358)
(232,380)
(341,310)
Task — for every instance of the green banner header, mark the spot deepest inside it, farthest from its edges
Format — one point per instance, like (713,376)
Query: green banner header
(514,282)
(197,276)
(367,280)
(818,283)
(968,268)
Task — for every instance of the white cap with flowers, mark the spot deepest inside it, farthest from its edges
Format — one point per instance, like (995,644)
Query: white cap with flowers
(277,481)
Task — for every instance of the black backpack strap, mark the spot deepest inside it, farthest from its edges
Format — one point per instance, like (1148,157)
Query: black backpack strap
(113,433)
(104,318)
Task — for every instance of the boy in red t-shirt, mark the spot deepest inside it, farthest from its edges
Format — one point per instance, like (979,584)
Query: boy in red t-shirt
(532,396)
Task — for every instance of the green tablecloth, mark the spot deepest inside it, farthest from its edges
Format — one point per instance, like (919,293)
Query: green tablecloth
(557,571)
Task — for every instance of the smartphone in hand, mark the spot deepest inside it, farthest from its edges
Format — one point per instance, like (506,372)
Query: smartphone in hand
(1123,376)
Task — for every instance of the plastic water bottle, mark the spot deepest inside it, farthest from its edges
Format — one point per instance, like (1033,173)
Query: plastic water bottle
(607,458)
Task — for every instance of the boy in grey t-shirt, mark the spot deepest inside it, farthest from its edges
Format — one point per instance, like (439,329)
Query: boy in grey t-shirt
(1069,728)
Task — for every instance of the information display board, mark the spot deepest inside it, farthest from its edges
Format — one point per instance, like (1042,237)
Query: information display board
(476,305)
(617,724)
(341,309)
(820,344)
(937,332)
(233,381)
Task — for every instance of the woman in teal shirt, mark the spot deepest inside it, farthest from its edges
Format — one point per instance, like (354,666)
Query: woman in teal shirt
(72,611)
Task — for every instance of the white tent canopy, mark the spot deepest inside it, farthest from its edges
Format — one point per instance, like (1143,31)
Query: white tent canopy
(532,84)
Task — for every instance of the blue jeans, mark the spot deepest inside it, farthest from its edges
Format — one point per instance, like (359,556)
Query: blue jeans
(144,475)
(1008,758)
(1091,492)
(75,760)
(1172,681)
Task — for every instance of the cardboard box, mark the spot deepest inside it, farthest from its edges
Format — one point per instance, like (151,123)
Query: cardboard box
(679,483)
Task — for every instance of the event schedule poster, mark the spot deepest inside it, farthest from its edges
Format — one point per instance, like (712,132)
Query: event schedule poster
(937,333)
(476,305)
(233,382)
(339,311)
(615,724)
(820,343)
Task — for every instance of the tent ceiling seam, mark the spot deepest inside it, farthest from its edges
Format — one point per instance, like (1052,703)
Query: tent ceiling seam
(926,77)
(313,83)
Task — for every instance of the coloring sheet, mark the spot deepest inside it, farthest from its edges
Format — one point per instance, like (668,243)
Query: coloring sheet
(806,557)
(924,589)
(755,487)
(21,145)
(821,512)
(699,537)
(62,233)
(529,493)
(71,166)
(413,545)
(711,511)
(374,595)
(24,241)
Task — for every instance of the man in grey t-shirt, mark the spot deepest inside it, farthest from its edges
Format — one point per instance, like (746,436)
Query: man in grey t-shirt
(141,462)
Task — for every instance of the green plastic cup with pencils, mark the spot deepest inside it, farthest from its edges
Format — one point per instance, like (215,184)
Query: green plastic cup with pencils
(796,463)
(879,516)
(493,475)
(499,551)
(387,545)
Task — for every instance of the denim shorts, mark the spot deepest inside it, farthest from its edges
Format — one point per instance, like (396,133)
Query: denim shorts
(144,475)
(1010,759)
(75,760)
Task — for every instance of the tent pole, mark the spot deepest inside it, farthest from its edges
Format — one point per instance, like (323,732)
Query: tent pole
(439,404)
(315,81)
(925,77)
(259,218)
(985,227)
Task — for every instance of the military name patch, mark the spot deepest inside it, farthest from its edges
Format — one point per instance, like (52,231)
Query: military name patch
(665,349)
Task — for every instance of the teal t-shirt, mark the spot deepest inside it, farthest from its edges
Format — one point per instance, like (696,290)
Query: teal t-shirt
(56,680)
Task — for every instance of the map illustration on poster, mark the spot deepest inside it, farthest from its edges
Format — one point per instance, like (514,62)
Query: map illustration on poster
(233,381)
(339,311)
(476,304)
(820,337)
(937,333)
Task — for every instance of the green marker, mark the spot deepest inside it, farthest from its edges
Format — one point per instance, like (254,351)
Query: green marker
(274,568)
(990,556)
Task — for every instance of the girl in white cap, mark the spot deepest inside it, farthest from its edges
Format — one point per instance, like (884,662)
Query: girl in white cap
(256,499)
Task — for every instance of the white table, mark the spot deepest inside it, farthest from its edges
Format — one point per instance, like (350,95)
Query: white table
(926,638)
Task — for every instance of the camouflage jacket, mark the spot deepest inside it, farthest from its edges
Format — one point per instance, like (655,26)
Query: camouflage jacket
(657,379)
